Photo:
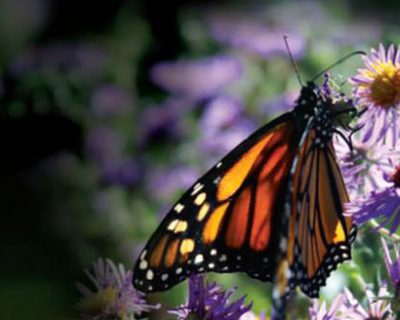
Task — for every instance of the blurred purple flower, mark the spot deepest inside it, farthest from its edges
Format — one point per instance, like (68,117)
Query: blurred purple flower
(197,79)
(220,113)
(109,100)
(392,266)
(365,166)
(164,183)
(377,88)
(124,172)
(217,145)
(81,61)
(104,144)
(210,302)
(282,103)
(164,120)
(223,126)
(105,147)
(318,312)
(251,34)
(384,204)
(360,32)
(378,307)
(113,295)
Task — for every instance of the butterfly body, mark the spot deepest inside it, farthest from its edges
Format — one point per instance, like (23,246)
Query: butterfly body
(271,208)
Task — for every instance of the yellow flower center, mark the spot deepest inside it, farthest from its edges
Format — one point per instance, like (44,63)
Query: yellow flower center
(96,303)
(385,87)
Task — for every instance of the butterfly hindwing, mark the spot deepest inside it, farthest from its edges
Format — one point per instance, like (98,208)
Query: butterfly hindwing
(323,236)
(229,219)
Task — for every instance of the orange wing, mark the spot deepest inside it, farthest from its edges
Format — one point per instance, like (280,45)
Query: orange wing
(230,219)
(320,237)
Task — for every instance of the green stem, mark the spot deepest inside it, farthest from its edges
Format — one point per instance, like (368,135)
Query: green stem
(383,231)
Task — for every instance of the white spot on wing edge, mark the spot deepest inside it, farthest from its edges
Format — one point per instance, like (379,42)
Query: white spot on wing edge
(143,255)
(197,188)
(150,275)
(198,259)
(179,207)
(143,265)
(164,277)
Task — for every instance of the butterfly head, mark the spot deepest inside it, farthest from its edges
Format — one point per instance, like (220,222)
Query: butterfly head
(310,99)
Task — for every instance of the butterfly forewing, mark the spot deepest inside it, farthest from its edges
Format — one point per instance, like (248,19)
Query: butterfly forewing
(229,219)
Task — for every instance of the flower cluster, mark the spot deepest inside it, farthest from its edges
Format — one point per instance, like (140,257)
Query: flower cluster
(210,302)
(371,168)
(113,295)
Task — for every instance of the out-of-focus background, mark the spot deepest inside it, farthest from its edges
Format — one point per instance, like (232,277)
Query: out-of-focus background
(109,110)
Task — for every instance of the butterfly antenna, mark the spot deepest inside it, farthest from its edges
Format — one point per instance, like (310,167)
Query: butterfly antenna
(296,70)
(338,62)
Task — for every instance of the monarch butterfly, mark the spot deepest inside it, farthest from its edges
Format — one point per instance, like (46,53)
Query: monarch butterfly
(271,208)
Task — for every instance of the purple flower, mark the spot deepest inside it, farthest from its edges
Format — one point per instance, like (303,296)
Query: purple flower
(104,144)
(365,166)
(113,295)
(392,266)
(109,100)
(384,204)
(196,79)
(377,88)
(318,312)
(378,307)
(280,103)
(250,34)
(217,145)
(223,126)
(163,183)
(219,113)
(123,172)
(210,302)
(78,60)
(164,120)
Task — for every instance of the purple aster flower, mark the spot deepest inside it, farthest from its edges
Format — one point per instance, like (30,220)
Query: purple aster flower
(109,100)
(104,144)
(377,88)
(392,266)
(197,79)
(220,113)
(280,103)
(365,166)
(249,33)
(164,120)
(124,172)
(383,204)
(163,183)
(210,302)
(217,145)
(360,32)
(223,126)
(378,306)
(113,295)
(78,60)
(320,312)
